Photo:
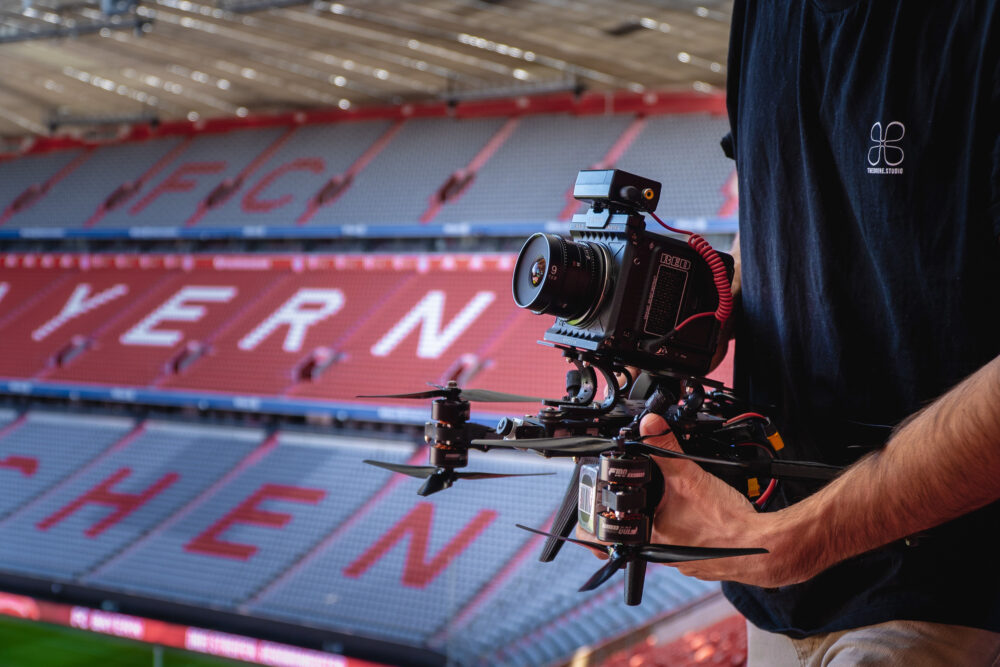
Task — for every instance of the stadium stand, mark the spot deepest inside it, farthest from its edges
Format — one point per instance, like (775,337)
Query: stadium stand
(38,450)
(479,526)
(301,177)
(317,328)
(23,182)
(143,349)
(210,466)
(260,325)
(391,190)
(100,184)
(208,169)
(358,176)
(683,153)
(221,551)
(526,179)
(151,472)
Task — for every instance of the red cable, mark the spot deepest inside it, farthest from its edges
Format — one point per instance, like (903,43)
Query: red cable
(745,415)
(764,497)
(718,268)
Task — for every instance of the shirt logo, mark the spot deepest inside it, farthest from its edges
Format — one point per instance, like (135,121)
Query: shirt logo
(884,156)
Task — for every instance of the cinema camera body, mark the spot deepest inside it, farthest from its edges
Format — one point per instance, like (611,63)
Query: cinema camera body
(618,290)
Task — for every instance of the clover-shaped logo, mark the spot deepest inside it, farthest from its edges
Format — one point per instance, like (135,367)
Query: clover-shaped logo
(885,150)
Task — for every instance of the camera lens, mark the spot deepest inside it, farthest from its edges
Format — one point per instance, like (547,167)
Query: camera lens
(556,276)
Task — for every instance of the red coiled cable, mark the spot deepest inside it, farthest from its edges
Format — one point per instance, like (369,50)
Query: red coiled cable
(718,268)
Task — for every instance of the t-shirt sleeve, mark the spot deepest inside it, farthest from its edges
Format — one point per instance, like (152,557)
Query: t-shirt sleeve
(994,211)
(995,207)
(995,182)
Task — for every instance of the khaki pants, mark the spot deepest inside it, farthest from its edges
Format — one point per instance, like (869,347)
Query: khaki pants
(896,643)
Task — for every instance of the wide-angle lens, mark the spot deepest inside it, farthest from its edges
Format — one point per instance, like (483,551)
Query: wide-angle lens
(556,276)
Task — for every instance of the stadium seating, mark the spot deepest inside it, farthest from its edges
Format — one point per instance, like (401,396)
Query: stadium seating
(531,174)
(27,180)
(39,450)
(359,175)
(213,164)
(397,185)
(286,188)
(151,473)
(683,153)
(293,526)
(223,550)
(546,619)
(476,523)
(311,328)
(85,195)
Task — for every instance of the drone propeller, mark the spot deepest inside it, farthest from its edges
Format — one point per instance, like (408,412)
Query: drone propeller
(454,392)
(659,553)
(592,446)
(439,478)
(620,555)
(589,445)
(576,445)
(420,472)
(615,562)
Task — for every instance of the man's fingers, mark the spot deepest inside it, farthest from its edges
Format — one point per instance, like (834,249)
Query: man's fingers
(654,425)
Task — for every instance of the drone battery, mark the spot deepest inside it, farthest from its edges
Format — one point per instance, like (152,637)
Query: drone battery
(587,508)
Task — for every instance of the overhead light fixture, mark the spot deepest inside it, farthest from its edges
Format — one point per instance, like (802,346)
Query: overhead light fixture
(624,28)
(76,21)
(60,120)
(570,85)
(115,7)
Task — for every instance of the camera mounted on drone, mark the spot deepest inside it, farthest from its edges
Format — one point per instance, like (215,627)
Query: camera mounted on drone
(620,292)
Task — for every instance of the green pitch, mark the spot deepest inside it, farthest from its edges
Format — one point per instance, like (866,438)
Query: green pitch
(29,644)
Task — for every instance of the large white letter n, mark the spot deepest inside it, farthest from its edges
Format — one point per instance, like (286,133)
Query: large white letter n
(427,315)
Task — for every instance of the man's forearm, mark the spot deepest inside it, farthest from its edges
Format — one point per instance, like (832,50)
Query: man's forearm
(940,464)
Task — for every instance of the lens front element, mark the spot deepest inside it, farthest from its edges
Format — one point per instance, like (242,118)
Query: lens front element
(559,277)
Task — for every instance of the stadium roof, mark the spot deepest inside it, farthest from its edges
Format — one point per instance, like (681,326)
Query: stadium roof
(86,63)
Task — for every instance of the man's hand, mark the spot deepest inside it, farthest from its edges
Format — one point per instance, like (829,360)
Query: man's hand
(699,509)
(881,498)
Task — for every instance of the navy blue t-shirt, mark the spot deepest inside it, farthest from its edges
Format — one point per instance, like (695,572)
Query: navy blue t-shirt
(867,140)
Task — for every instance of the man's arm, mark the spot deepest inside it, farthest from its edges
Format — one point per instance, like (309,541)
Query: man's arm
(940,464)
